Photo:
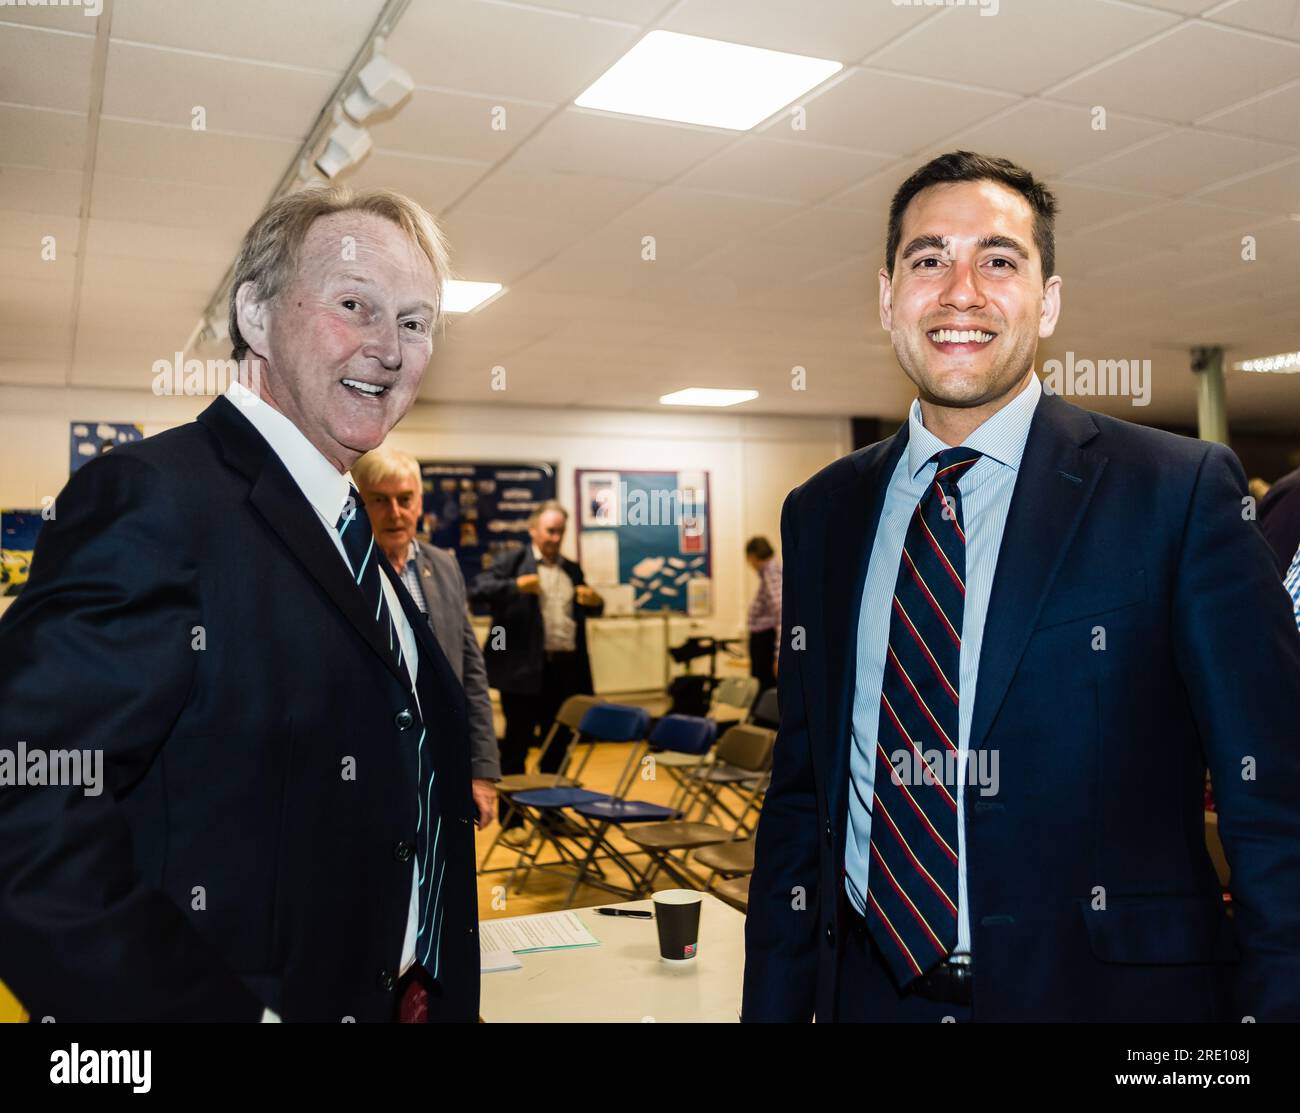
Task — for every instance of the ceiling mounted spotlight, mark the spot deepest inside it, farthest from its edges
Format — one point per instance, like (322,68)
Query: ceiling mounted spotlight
(347,146)
(380,85)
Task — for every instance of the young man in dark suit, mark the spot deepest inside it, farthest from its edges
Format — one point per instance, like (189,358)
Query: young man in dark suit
(286,831)
(1015,633)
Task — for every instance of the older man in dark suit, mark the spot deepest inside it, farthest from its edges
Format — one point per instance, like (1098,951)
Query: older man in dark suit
(391,487)
(286,828)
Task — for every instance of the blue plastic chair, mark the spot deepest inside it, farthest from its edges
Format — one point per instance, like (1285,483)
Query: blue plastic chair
(541,808)
(681,734)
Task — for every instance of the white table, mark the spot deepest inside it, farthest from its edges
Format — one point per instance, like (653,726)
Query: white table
(623,979)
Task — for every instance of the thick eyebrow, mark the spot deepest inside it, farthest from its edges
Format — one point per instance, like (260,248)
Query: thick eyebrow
(932,242)
(362,280)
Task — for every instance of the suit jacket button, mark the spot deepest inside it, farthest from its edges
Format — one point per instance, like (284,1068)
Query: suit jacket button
(830,935)
(404,719)
(403,851)
(387,981)
(830,837)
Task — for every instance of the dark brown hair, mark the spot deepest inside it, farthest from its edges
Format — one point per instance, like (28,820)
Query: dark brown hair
(759,547)
(964,166)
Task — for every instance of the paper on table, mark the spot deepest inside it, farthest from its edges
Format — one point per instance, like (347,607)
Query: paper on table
(544,931)
(492,961)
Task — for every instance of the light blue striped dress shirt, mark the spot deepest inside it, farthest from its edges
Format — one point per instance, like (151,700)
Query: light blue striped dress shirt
(985,500)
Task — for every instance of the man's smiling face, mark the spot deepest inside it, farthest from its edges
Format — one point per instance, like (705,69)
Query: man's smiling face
(966,305)
(347,341)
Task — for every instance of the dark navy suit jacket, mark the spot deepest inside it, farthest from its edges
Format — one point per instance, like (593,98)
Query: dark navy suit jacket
(188,614)
(1092,896)
(516,667)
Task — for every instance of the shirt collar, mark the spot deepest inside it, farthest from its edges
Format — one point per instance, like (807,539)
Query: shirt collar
(316,477)
(1002,437)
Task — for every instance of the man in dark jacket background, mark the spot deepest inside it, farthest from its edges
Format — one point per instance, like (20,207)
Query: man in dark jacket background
(536,649)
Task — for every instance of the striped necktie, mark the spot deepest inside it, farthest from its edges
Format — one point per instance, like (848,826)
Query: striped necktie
(912,876)
(364,556)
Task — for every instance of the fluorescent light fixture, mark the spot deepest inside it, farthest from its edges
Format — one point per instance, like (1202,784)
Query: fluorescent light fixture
(670,76)
(1287,363)
(464,297)
(707,396)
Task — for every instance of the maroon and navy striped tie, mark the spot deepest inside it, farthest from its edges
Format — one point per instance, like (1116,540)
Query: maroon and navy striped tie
(912,878)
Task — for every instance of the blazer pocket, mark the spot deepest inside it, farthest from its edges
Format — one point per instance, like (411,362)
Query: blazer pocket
(1161,930)
(1123,589)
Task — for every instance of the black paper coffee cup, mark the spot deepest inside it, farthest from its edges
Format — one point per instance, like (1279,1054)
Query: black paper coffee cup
(677,916)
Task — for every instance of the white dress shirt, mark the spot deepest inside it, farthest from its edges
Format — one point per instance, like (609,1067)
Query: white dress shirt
(327,491)
(559,628)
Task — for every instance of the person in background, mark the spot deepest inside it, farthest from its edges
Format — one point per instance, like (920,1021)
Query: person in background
(764,612)
(390,486)
(536,651)
(1279,518)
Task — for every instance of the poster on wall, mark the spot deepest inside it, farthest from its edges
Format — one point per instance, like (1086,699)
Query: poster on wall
(648,530)
(481,510)
(94,438)
(18,530)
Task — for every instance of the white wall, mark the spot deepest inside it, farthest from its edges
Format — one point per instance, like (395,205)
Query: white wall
(752,463)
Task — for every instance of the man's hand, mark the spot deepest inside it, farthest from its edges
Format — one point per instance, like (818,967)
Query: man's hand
(529,585)
(586,596)
(485,799)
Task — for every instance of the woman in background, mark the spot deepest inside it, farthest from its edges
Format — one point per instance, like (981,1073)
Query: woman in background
(764,612)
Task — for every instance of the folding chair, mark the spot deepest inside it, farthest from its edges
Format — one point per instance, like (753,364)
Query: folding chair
(672,734)
(735,892)
(731,702)
(767,711)
(569,717)
(745,748)
(542,808)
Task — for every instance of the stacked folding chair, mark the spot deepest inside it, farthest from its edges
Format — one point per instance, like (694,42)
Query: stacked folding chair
(568,721)
(721,849)
(543,809)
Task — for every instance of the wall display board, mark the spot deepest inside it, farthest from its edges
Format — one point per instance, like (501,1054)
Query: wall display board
(648,530)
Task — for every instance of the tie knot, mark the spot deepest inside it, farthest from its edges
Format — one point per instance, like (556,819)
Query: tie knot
(953,463)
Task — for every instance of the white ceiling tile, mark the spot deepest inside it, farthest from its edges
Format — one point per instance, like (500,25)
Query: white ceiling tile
(551,195)
(1276,191)
(1272,17)
(842,30)
(505,49)
(500,248)
(1183,222)
(1275,115)
(40,191)
(617,146)
(1182,162)
(324,34)
(177,154)
(454,125)
(24,262)
(1167,78)
(158,242)
(704,216)
(75,20)
(1082,206)
(849,113)
(1049,139)
(789,171)
(147,83)
(1025,47)
(28,56)
(42,138)
(221,211)
(435,183)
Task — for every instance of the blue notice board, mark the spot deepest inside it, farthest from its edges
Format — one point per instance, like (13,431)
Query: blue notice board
(649,530)
(481,510)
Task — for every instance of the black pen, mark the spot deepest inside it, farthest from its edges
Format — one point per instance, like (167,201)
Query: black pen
(625,912)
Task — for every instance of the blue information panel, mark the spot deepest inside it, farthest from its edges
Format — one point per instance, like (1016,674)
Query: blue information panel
(649,531)
(481,510)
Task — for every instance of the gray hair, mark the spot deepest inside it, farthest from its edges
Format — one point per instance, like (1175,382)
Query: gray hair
(384,463)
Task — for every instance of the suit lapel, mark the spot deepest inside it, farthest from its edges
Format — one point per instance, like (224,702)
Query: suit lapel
(851,523)
(280,501)
(1055,484)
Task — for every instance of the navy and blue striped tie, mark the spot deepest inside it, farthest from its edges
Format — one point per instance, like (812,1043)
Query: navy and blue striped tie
(364,556)
(912,877)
